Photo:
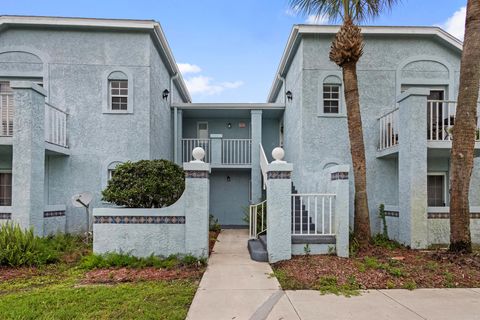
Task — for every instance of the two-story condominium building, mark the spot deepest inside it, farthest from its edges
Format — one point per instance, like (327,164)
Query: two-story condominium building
(80,96)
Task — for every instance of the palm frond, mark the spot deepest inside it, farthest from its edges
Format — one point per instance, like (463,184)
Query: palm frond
(339,10)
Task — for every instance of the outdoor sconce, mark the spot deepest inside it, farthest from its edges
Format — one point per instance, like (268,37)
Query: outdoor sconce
(228,179)
(229,125)
(165,94)
(289,95)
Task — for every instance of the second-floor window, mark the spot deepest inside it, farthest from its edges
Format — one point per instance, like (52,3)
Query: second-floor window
(118,90)
(331,98)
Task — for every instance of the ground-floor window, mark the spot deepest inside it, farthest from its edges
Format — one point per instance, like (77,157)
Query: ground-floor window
(436,189)
(5,188)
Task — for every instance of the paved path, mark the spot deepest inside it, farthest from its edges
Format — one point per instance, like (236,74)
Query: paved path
(235,287)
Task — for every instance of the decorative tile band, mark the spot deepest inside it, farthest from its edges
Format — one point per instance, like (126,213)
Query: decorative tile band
(51,214)
(5,215)
(279,175)
(446,215)
(339,176)
(139,219)
(391,214)
(196,174)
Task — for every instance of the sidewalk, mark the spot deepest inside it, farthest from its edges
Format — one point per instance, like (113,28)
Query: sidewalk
(235,287)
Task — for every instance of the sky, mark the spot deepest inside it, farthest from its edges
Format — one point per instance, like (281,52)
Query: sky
(229,51)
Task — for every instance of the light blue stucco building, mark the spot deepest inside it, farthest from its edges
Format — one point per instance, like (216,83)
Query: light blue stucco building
(79,96)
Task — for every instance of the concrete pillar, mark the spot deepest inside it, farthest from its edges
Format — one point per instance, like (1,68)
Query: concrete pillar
(28,161)
(216,148)
(197,207)
(279,209)
(256,174)
(179,136)
(412,167)
(339,185)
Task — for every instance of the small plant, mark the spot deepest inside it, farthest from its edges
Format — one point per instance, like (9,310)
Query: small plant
(381,241)
(145,184)
(213,224)
(329,284)
(410,285)
(449,280)
(381,214)
(19,247)
(306,250)
(390,284)
(432,266)
(354,245)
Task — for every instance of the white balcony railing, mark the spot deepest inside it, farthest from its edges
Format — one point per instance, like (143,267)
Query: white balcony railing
(389,127)
(236,151)
(257,219)
(263,166)
(189,144)
(6,114)
(55,126)
(313,214)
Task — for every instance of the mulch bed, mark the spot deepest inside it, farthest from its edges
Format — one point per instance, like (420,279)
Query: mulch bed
(8,273)
(380,268)
(112,275)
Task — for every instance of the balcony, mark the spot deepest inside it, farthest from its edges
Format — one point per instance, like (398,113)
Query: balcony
(439,127)
(55,122)
(220,152)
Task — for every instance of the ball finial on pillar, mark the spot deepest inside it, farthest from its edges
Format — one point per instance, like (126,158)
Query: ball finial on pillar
(198,154)
(278,154)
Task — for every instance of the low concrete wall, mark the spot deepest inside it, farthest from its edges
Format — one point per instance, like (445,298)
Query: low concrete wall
(54,220)
(181,228)
(439,231)
(299,249)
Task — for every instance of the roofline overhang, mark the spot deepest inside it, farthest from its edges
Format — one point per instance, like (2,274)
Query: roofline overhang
(298,30)
(229,106)
(150,26)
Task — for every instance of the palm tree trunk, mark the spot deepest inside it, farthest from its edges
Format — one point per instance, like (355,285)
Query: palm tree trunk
(464,132)
(357,149)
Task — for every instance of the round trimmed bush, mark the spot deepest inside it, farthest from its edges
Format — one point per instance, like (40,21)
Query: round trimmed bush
(145,184)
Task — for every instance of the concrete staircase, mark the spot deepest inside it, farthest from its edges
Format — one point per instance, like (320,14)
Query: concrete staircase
(258,248)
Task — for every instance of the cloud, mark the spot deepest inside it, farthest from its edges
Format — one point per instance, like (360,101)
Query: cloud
(455,25)
(206,86)
(188,68)
(314,19)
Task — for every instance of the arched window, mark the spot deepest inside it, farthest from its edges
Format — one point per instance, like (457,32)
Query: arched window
(331,96)
(118,91)
(111,169)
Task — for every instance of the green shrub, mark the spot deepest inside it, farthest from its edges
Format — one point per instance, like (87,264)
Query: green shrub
(145,184)
(120,260)
(20,247)
(213,224)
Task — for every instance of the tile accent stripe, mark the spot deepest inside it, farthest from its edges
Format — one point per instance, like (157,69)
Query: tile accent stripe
(339,176)
(279,175)
(51,214)
(392,214)
(446,215)
(139,219)
(5,215)
(196,174)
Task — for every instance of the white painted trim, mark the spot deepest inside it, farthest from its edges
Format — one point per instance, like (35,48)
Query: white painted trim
(229,106)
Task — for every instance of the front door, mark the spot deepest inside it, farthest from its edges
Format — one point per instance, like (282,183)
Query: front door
(202,130)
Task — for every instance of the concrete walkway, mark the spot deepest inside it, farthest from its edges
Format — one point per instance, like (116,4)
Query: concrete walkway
(235,287)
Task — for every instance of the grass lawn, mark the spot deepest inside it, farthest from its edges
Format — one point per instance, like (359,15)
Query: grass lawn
(66,290)
(383,265)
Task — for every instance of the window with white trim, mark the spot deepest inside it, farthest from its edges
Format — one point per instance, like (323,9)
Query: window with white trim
(112,167)
(331,98)
(5,188)
(118,90)
(437,189)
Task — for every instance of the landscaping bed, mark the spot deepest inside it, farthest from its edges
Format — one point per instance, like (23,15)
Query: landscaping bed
(384,266)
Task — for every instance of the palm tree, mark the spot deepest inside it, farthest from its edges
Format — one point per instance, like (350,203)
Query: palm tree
(346,50)
(464,132)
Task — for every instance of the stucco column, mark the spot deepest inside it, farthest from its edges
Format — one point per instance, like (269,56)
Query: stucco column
(216,148)
(256,174)
(279,209)
(412,167)
(339,185)
(178,136)
(28,161)
(197,208)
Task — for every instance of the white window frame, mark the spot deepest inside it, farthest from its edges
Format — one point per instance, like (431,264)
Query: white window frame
(111,95)
(331,86)
(109,76)
(323,80)
(445,190)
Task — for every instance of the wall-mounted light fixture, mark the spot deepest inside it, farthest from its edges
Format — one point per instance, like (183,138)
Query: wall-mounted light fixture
(229,125)
(289,95)
(165,94)
(228,179)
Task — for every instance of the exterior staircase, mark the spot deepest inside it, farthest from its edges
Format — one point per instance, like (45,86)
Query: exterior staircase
(258,248)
